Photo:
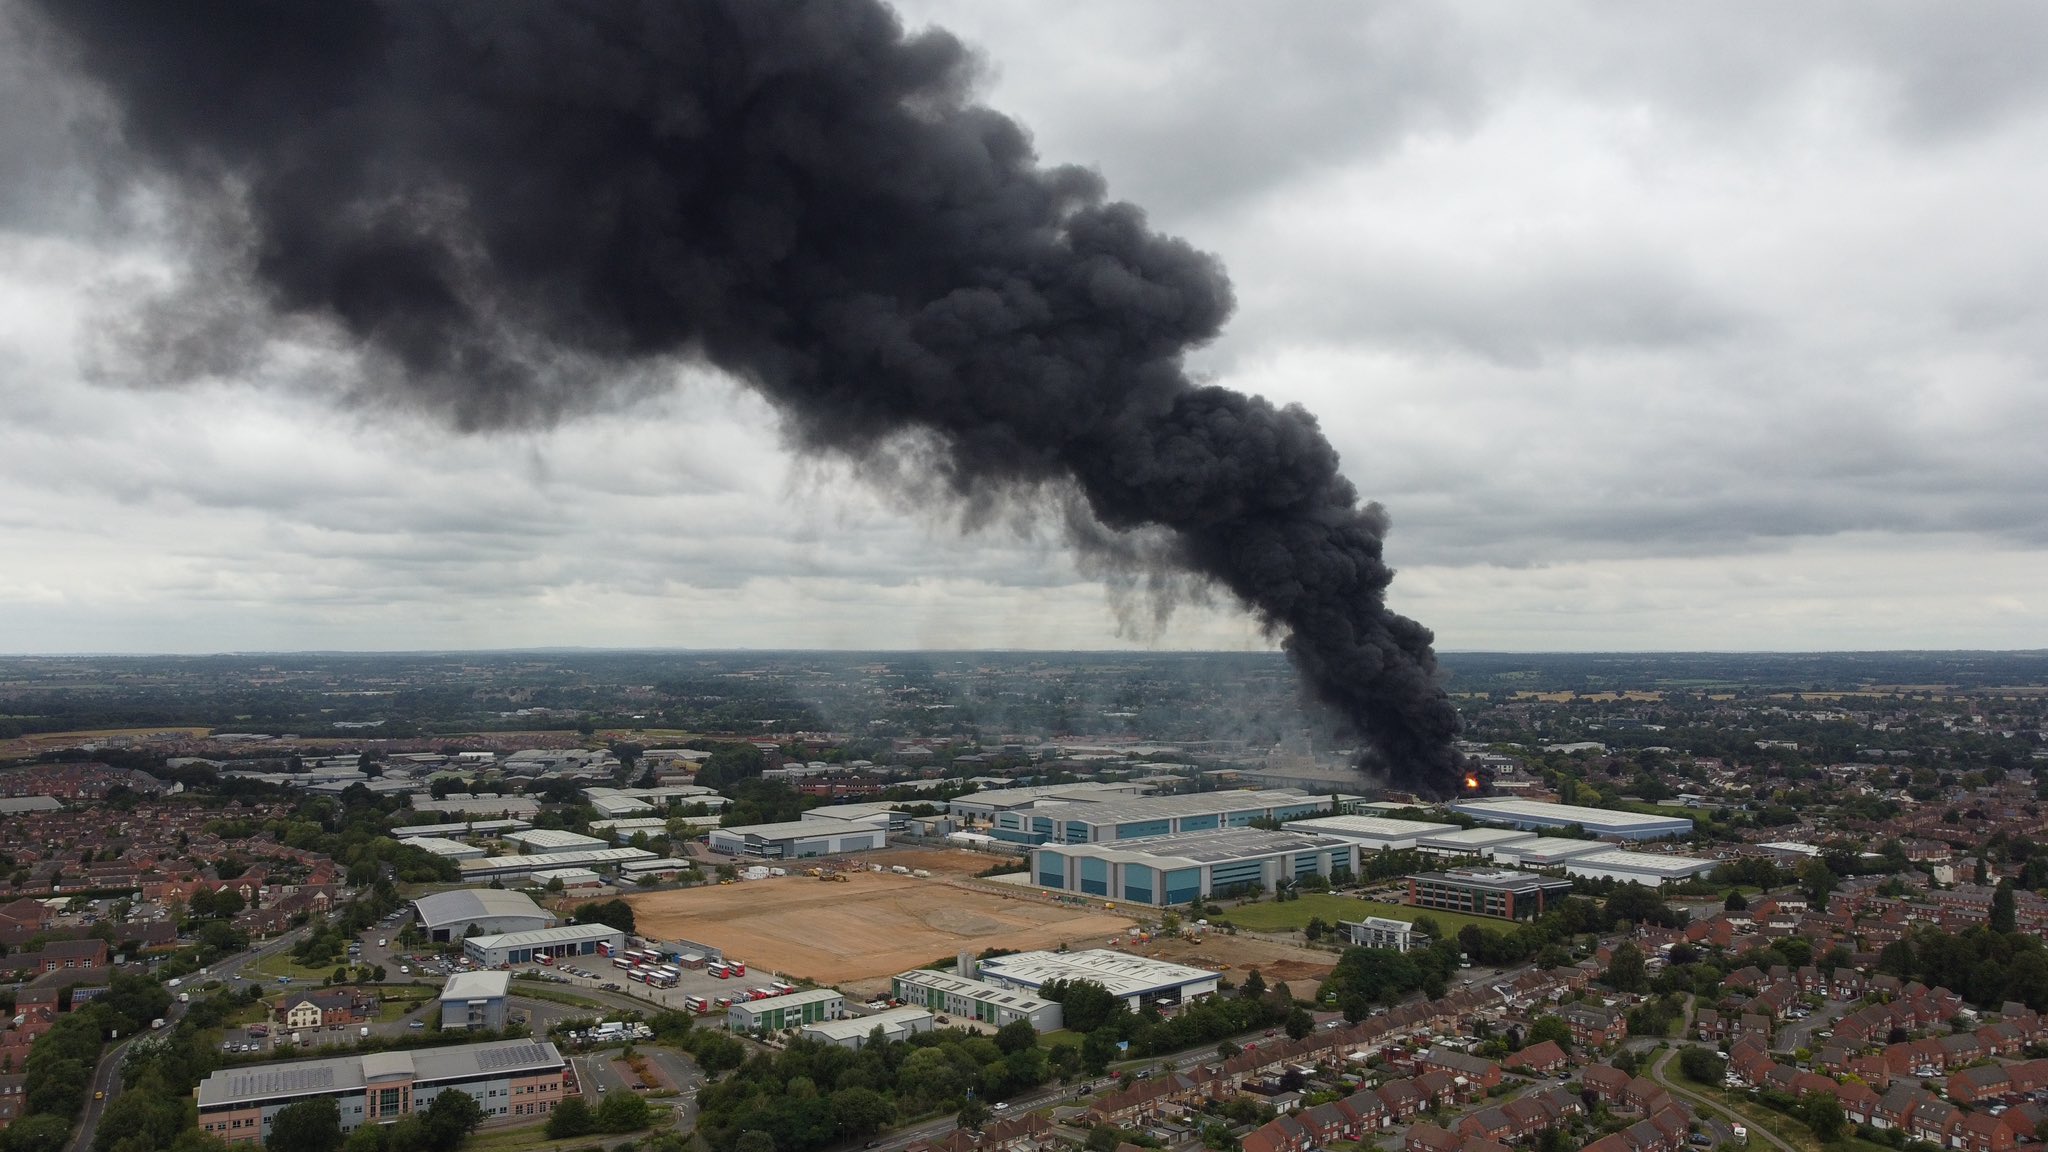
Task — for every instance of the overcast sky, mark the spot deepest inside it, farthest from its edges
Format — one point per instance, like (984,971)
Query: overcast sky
(1654,327)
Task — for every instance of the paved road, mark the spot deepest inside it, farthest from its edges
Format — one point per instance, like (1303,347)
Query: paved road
(1708,1107)
(106,1076)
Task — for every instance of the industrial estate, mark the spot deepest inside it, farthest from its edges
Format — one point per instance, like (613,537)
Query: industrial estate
(1631,945)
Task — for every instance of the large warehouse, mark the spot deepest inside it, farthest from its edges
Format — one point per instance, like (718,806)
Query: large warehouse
(1179,869)
(554,943)
(990,802)
(970,999)
(519,867)
(1370,833)
(1110,821)
(1598,821)
(1642,867)
(1136,980)
(547,841)
(451,915)
(1547,852)
(1472,843)
(506,1078)
(796,839)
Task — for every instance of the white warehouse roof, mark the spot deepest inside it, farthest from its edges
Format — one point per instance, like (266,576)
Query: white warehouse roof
(465,905)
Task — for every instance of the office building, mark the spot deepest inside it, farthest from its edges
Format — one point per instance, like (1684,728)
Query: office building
(1383,932)
(474,1001)
(1487,892)
(790,1011)
(1168,870)
(966,998)
(511,1080)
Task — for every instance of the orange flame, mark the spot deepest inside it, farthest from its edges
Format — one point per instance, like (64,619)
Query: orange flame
(1472,782)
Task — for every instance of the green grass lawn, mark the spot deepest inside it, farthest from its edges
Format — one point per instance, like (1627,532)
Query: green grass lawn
(280,964)
(535,990)
(1060,1038)
(1293,915)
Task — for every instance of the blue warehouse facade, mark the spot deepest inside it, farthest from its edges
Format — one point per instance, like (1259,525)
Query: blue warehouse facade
(1171,870)
(1116,820)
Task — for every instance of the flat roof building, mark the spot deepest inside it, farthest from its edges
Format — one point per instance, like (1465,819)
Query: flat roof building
(461,830)
(484,807)
(1519,813)
(1136,980)
(853,1031)
(553,943)
(1144,817)
(510,1079)
(1166,870)
(791,1011)
(971,999)
(1648,868)
(984,805)
(547,841)
(1547,852)
(444,848)
(797,839)
(1382,932)
(1487,892)
(451,915)
(1370,833)
(475,1001)
(517,867)
(1471,843)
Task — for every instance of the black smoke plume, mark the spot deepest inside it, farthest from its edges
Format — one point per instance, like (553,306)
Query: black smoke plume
(507,207)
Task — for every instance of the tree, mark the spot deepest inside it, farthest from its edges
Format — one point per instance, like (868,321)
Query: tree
(1701,1065)
(2004,909)
(754,1140)
(973,1114)
(1084,1004)
(307,1126)
(1823,1113)
(452,1117)
(1254,985)
(1299,1023)
(1816,879)
(1016,1036)
(1553,1029)
(571,1118)
(1736,901)
(614,913)
(861,1112)
(40,1133)
(1626,971)
(622,1112)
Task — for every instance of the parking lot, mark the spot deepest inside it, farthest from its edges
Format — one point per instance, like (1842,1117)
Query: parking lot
(595,971)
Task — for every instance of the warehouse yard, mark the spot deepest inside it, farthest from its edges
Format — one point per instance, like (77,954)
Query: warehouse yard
(873,924)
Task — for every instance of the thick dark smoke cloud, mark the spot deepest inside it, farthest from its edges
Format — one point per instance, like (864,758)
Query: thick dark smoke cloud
(509,206)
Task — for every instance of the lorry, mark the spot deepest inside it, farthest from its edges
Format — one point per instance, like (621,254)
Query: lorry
(184,997)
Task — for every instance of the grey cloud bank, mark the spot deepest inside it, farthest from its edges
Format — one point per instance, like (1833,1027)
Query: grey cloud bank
(1716,329)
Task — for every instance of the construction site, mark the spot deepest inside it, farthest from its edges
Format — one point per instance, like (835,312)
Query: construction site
(854,922)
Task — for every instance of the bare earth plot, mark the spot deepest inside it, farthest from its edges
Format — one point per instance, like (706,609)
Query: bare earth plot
(874,924)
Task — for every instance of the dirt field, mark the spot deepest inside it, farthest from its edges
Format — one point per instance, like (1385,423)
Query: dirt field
(1302,968)
(875,924)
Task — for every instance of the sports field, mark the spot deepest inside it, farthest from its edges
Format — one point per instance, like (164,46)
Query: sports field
(874,924)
